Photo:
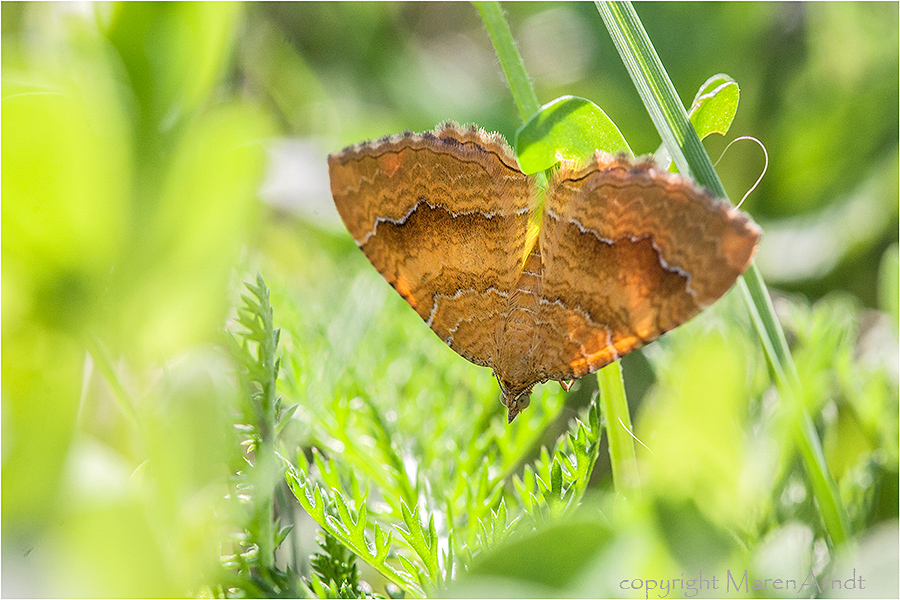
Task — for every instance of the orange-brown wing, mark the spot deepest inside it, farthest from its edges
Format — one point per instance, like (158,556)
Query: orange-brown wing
(630,253)
(442,216)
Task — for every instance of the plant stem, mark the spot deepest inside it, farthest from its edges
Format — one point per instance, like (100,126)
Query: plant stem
(104,363)
(668,114)
(614,407)
(267,464)
(510,59)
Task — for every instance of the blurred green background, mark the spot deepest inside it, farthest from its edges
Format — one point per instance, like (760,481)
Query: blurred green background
(154,155)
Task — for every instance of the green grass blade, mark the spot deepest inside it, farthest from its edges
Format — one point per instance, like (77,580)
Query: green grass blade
(668,114)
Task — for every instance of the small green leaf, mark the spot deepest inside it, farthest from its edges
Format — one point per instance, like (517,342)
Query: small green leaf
(484,537)
(412,573)
(354,528)
(888,297)
(282,535)
(524,487)
(337,528)
(494,494)
(285,417)
(500,516)
(594,417)
(566,128)
(382,543)
(317,510)
(302,465)
(715,105)
(361,520)
(425,547)
(556,479)
(448,559)
(327,470)
(432,536)
(543,464)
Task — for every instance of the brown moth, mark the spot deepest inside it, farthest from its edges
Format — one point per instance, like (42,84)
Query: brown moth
(624,253)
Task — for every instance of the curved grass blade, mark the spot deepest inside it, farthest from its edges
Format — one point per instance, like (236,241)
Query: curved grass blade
(668,114)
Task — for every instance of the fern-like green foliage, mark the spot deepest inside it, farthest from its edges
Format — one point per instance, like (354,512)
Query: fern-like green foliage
(557,482)
(419,502)
(335,574)
(424,562)
(345,517)
(261,417)
(404,460)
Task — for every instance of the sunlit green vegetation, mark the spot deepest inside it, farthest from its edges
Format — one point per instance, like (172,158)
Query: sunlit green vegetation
(173,426)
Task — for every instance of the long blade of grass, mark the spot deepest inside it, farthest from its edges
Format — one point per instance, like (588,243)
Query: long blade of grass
(621,445)
(669,116)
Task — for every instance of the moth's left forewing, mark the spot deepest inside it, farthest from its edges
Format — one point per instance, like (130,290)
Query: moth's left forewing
(443,217)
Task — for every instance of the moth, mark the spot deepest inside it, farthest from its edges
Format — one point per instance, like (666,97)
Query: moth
(537,285)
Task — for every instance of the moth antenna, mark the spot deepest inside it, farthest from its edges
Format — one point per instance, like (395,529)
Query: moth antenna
(765,166)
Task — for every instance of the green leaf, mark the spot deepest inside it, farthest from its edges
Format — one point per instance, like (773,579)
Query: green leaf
(556,478)
(355,527)
(382,543)
(566,128)
(412,573)
(494,530)
(327,470)
(424,544)
(174,55)
(689,534)
(282,535)
(285,417)
(523,487)
(448,559)
(888,297)
(715,105)
(554,556)
(349,531)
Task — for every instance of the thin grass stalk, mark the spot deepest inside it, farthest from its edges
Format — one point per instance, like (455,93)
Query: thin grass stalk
(509,57)
(669,116)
